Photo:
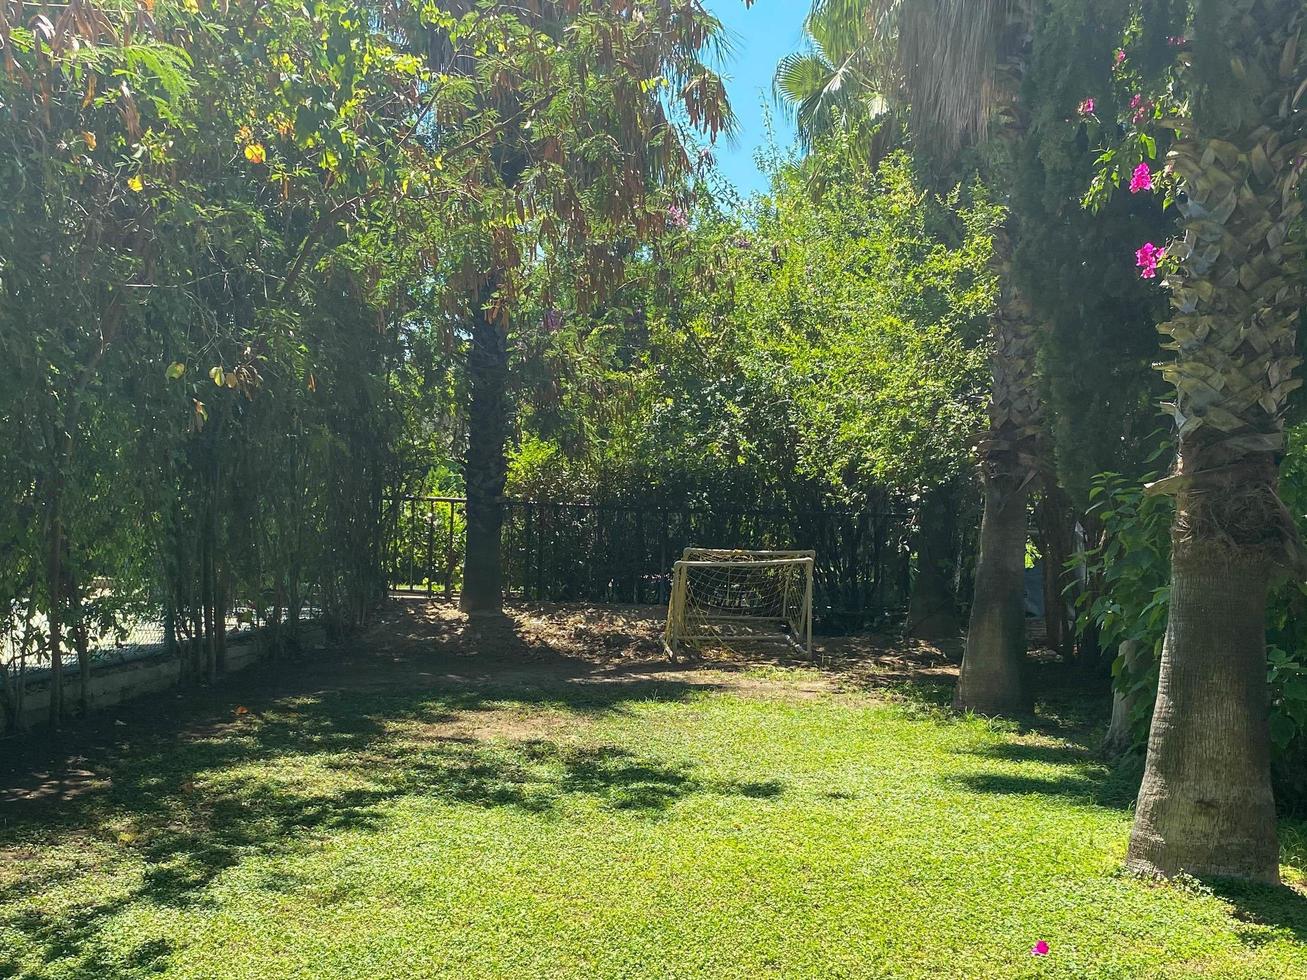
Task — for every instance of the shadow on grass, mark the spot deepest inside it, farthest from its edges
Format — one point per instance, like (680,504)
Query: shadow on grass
(74,936)
(196,802)
(1056,755)
(1264,912)
(928,697)
(1080,788)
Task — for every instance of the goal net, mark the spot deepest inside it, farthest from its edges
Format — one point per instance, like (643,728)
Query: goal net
(725,596)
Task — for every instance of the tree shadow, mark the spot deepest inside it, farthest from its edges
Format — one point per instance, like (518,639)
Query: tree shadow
(1081,789)
(1264,912)
(199,799)
(1062,754)
(1083,775)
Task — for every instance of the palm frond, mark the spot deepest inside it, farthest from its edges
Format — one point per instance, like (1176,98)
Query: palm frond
(826,87)
(943,57)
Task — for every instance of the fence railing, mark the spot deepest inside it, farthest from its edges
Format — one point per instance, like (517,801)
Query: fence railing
(426,543)
(599,552)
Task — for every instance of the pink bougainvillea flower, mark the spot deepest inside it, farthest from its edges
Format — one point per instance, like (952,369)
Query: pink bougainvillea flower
(1142,107)
(1147,258)
(1141,179)
(1039,949)
(1087,107)
(677,218)
(1120,56)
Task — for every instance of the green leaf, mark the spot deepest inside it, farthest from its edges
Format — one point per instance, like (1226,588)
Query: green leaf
(175,370)
(1283,729)
(1295,689)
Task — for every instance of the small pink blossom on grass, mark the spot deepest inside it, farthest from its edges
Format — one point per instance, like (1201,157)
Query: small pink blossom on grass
(1087,107)
(1147,258)
(1176,42)
(1141,179)
(1039,949)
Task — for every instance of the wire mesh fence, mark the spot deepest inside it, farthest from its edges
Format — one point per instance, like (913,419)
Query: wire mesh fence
(136,631)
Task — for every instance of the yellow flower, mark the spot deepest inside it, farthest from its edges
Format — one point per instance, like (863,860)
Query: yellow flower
(136,184)
(255,153)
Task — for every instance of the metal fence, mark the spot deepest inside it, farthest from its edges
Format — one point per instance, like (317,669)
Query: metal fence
(140,634)
(597,552)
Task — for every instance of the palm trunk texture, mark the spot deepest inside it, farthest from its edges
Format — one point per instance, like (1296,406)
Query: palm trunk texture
(992,681)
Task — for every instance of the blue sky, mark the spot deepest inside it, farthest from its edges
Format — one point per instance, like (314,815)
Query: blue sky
(760,37)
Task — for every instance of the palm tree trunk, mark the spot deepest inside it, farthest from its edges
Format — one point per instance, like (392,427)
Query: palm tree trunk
(1205,806)
(486,469)
(993,666)
(992,681)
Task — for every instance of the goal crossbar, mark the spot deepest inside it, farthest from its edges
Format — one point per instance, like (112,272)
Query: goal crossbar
(760,563)
(727,554)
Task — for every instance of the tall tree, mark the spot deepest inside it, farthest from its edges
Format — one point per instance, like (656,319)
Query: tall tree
(143,230)
(1102,411)
(576,99)
(82,91)
(956,65)
(1236,279)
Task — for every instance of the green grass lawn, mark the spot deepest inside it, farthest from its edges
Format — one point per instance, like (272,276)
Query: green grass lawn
(692,824)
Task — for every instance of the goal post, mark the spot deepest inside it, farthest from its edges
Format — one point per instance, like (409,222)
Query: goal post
(723,595)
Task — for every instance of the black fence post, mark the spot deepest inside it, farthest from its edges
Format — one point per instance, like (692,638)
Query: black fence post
(431,546)
(639,560)
(449,556)
(412,519)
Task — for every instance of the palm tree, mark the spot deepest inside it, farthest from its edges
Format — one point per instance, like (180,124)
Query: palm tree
(829,88)
(1205,806)
(954,64)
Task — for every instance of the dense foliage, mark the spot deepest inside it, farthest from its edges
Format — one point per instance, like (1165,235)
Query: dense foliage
(798,349)
(239,249)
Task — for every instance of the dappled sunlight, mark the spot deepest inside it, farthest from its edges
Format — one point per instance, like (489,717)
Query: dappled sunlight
(696,759)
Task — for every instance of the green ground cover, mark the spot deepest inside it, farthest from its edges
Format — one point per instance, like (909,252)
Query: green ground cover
(677,824)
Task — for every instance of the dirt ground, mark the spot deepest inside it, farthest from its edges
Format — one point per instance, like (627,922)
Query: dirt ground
(418,644)
(593,643)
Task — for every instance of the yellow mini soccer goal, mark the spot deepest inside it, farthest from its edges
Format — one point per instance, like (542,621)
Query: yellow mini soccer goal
(726,597)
